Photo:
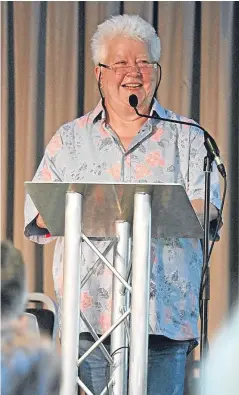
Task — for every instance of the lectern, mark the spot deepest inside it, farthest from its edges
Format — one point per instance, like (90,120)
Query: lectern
(129,214)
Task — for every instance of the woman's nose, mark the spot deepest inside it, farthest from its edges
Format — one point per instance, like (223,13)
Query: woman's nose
(134,69)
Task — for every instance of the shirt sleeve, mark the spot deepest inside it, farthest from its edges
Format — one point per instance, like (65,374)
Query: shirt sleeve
(196,179)
(51,171)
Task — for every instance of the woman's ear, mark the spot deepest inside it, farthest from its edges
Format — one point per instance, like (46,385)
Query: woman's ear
(97,72)
(98,75)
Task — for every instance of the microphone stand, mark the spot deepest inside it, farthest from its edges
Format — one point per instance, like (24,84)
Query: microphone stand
(212,154)
(205,295)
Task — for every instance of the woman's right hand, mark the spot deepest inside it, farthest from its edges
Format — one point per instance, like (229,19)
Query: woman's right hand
(40,222)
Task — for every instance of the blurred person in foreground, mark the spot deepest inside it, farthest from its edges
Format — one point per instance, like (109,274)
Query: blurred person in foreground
(221,367)
(29,365)
(13,285)
(113,144)
(14,294)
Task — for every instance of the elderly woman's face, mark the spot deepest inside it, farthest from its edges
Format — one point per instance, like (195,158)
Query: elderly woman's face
(118,87)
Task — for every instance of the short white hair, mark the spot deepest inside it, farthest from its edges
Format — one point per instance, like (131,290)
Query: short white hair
(132,26)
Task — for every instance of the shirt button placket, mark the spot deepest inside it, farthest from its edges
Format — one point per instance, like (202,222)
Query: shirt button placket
(127,168)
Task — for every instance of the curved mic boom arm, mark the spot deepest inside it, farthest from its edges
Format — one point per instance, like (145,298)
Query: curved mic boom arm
(209,142)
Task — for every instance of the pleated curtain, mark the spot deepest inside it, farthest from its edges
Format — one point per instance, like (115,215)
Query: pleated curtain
(48,79)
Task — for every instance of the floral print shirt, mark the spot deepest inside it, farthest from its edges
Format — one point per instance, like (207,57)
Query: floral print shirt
(87,149)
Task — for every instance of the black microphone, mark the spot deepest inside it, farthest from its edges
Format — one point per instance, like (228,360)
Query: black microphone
(133,101)
(209,142)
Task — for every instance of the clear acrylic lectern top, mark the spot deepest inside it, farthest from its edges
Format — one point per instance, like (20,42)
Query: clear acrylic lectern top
(104,203)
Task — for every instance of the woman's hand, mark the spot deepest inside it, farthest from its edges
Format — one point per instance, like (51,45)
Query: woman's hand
(40,222)
(198,206)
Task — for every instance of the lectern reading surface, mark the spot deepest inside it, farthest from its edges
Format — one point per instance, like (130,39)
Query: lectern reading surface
(104,203)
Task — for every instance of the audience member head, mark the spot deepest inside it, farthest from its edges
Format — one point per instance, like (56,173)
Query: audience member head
(13,283)
(29,365)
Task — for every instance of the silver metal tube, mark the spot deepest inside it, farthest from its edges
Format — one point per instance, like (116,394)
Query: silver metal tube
(118,338)
(96,264)
(71,298)
(107,263)
(126,322)
(83,386)
(140,295)
(105,390)
(103,337)
(96,337)
(126,326)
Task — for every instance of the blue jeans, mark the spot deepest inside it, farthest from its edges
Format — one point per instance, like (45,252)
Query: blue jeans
(166,368)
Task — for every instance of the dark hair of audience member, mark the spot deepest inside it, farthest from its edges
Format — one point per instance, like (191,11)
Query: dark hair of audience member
(29,365)
(13,283)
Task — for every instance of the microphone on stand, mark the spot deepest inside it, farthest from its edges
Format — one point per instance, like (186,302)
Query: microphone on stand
(213,154)
(209,142)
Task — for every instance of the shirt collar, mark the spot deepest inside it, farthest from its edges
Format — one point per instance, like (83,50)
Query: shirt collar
(99,112)
(158,109)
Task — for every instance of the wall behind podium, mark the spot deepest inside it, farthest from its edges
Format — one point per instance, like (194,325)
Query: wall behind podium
(48,79)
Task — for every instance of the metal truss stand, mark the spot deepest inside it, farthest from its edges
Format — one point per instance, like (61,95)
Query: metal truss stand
(123,213)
